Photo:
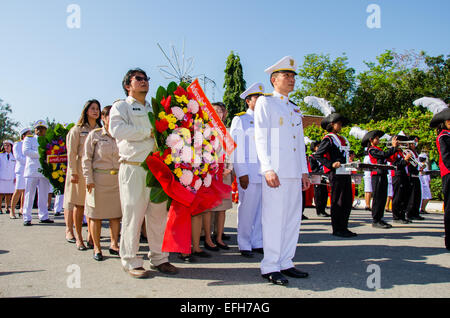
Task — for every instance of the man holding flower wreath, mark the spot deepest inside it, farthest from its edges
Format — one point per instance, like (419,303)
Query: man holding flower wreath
(130,126)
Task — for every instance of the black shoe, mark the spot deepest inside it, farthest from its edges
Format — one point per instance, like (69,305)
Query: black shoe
(202,254)
(113,252)
(89,245)
(247,254)
(276,278)
(72,240)
(324,214)
(381,225)
(27,223)
(57,213)
(423,212)
(211,248)
(342,234)
(352,234)
(186,258)
(293,272)
(416,217)
(202,238)
(82,248)
(304,217)
(223,247)
(46,221)
(142,239)
(401,221)
(98,257)
(258,250)
(368,209)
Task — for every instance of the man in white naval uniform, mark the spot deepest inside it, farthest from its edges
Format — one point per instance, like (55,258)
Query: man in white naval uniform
(130,125)
(246,167)
(281,150)
(33,178)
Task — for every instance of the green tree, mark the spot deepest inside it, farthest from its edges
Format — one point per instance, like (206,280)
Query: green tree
(322,77)
(7,125)
(234,86)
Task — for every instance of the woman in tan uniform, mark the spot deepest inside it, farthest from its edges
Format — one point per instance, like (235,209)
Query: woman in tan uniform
(100,169)
(75,188)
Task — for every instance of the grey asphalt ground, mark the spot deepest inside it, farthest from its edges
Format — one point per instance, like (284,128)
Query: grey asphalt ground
(403,262)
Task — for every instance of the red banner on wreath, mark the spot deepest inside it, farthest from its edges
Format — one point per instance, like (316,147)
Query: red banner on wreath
(56,158)
(226,140)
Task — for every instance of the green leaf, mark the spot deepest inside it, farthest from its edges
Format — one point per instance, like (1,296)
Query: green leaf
(171,88)
(160,93)
(157,195)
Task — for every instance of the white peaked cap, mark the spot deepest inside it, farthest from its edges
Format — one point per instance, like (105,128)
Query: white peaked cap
(287,63)
(40,123)
(256,88)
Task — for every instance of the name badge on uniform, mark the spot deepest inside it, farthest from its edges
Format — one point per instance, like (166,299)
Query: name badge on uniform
(281,121)
(84,133)
(134,108)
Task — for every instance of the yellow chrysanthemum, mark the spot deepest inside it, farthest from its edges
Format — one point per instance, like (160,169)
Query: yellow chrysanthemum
(178,172)
(161,115)
(205,116)
(168,160)
(55,175)
(171,126)
(61,179)
(181,99)
(185,110)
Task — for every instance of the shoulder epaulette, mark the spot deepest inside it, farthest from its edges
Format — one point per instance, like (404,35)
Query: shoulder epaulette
(119,100)
(268,94)
(240,114)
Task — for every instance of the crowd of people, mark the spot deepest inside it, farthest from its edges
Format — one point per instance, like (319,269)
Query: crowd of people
(105,179)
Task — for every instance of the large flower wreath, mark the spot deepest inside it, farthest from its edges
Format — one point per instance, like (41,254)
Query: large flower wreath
(186,168)
(53,156)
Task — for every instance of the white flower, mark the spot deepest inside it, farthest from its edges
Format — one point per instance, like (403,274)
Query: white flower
(198,139)
(207,132)
(198,184)
(193,106)
(207,181)
(174,141)
(186,154)
(178,113)
(186,177)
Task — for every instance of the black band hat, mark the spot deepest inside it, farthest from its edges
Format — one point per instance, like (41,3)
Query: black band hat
(371,135)
(334,118)
(440,118)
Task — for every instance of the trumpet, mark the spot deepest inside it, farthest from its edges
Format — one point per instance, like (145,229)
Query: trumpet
(413,161)
(401,144)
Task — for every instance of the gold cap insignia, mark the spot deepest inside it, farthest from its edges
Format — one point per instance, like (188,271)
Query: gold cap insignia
(291,61)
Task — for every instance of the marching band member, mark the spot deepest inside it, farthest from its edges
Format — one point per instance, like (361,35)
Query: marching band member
(400,184)
(33,178)
(246,167)
(441,121)
(413,207)
(7,175)
(20,167)
(75,186)
(280,147)
(425,183)
(367,183)
(320,190)
(332,152)
(379,177)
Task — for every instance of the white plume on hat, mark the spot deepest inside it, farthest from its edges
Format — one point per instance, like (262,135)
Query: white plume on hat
(357,132)
(307,140)
(434,105)
(320,104)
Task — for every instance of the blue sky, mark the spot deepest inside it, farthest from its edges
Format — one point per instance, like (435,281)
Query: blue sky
(50,70)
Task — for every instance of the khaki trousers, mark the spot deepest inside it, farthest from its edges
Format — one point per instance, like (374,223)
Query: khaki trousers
(135,203)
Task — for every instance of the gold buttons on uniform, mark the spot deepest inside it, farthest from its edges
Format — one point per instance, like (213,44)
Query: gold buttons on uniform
(295,149)
(294,137)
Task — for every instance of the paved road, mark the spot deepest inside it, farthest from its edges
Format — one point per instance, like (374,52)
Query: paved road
(405,261)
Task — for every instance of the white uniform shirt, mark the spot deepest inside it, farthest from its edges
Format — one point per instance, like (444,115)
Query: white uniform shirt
(279,136)
(7,166)
(31,151)
(130,126)
(244,157)
(20,157)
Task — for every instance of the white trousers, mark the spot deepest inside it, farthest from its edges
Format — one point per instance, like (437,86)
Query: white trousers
(135,203)
(249,227)
(59,202)
(281,219)
(43,186)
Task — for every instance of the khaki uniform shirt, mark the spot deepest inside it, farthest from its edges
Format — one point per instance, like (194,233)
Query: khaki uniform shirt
(130,126)
(100,152)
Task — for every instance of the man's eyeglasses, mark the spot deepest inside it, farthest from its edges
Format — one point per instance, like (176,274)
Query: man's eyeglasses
(141,78)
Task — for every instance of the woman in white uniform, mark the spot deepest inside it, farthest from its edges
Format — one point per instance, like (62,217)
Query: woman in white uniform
(425,183)
(7,174)
(20,168)
(367,184)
